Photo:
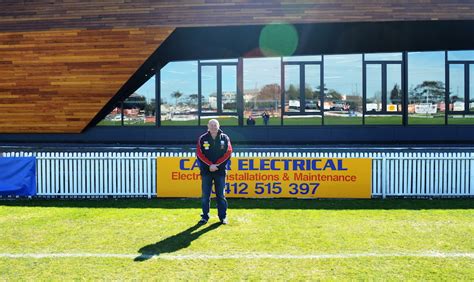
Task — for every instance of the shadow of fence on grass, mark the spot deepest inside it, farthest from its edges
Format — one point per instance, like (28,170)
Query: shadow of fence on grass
(318,204)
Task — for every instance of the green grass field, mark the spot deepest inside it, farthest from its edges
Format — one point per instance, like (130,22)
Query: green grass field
(280,239)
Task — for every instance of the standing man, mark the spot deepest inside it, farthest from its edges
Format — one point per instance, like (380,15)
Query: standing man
(266,117)
(213,152)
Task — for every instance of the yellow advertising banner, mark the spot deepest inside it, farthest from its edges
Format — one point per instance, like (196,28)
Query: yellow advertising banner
(271,178)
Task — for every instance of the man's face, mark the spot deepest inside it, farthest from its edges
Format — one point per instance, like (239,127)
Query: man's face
(213,127)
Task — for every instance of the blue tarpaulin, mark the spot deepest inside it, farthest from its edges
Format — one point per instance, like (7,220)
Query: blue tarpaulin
(18,176)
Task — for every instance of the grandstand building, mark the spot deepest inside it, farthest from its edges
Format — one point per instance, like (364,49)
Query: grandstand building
(154,72)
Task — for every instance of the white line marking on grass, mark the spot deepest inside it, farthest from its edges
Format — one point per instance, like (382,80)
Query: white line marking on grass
(238,256)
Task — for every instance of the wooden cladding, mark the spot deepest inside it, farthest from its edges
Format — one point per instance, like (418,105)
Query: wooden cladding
(42,14)
(57,81)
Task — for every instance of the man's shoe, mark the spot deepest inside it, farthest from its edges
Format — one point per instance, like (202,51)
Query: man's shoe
(224,221)
(202,221)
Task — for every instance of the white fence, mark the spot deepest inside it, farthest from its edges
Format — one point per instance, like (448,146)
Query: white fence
(403,174)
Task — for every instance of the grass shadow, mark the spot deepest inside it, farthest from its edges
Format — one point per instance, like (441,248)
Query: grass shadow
(174,243)
(324,204)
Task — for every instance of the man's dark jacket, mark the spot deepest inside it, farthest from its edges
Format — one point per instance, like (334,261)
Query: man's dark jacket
(213,151)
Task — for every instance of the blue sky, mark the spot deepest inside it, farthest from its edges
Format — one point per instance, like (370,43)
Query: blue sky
(342,72)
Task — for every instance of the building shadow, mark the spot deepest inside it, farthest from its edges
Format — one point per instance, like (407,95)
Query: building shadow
(174,243)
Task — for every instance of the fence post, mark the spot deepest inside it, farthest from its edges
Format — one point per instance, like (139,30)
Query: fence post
(148,165)
(384,176)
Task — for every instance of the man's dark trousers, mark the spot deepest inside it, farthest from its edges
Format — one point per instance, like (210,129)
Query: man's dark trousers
(219,182)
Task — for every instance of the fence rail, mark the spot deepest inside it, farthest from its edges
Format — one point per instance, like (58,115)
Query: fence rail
(74,174)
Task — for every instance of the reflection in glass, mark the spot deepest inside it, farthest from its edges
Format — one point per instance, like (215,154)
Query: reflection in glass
(394,88)
(179,94)
(223,120)
(457,102)
(316,58)
(426,88)
(461,55)
(343,79)
(220,61)
(383,57)
(229,89)
(302,120)
(292,88)
(209,89)
(312,88)
(471,88)
(383,106)
(373,88)
(262,91)
(460,119)
(114,118)
(456,87)
(139,108)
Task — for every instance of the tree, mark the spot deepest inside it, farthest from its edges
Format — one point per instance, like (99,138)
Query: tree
(270,96)
(193,98)
(270,92)
(428,92)
(135,101)
(176,94)
(396,94)
(150,108)
(333,95)
(292,93)
(315,94)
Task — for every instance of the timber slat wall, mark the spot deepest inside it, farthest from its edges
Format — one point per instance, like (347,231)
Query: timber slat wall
(46,14)
(57,80)
(61,61)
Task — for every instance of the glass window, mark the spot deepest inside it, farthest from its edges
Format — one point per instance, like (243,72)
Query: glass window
(383,57)
(139,108)
(457,95)
(383,106)
(292,88)
(394,88)
(262,91)
(312,88)
(343,79)
(209,89)
(426,88)
(374,88)
(220,61)
(461,55)
(179,94)
(223,120)
(114,118)
(456,87)
(229,89)
(303,59)
(309,108)
(471,88)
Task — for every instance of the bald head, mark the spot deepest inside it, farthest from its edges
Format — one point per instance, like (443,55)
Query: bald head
(213,126)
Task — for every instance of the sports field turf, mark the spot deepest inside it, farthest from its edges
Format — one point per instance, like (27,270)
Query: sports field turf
(266,239)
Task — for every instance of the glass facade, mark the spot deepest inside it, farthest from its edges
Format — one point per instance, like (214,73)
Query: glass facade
(383,89)
(426,88)
(319,90)
(461,87)
(179,93)
(343,97)
(140,107)
(262,91)
(114,118)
